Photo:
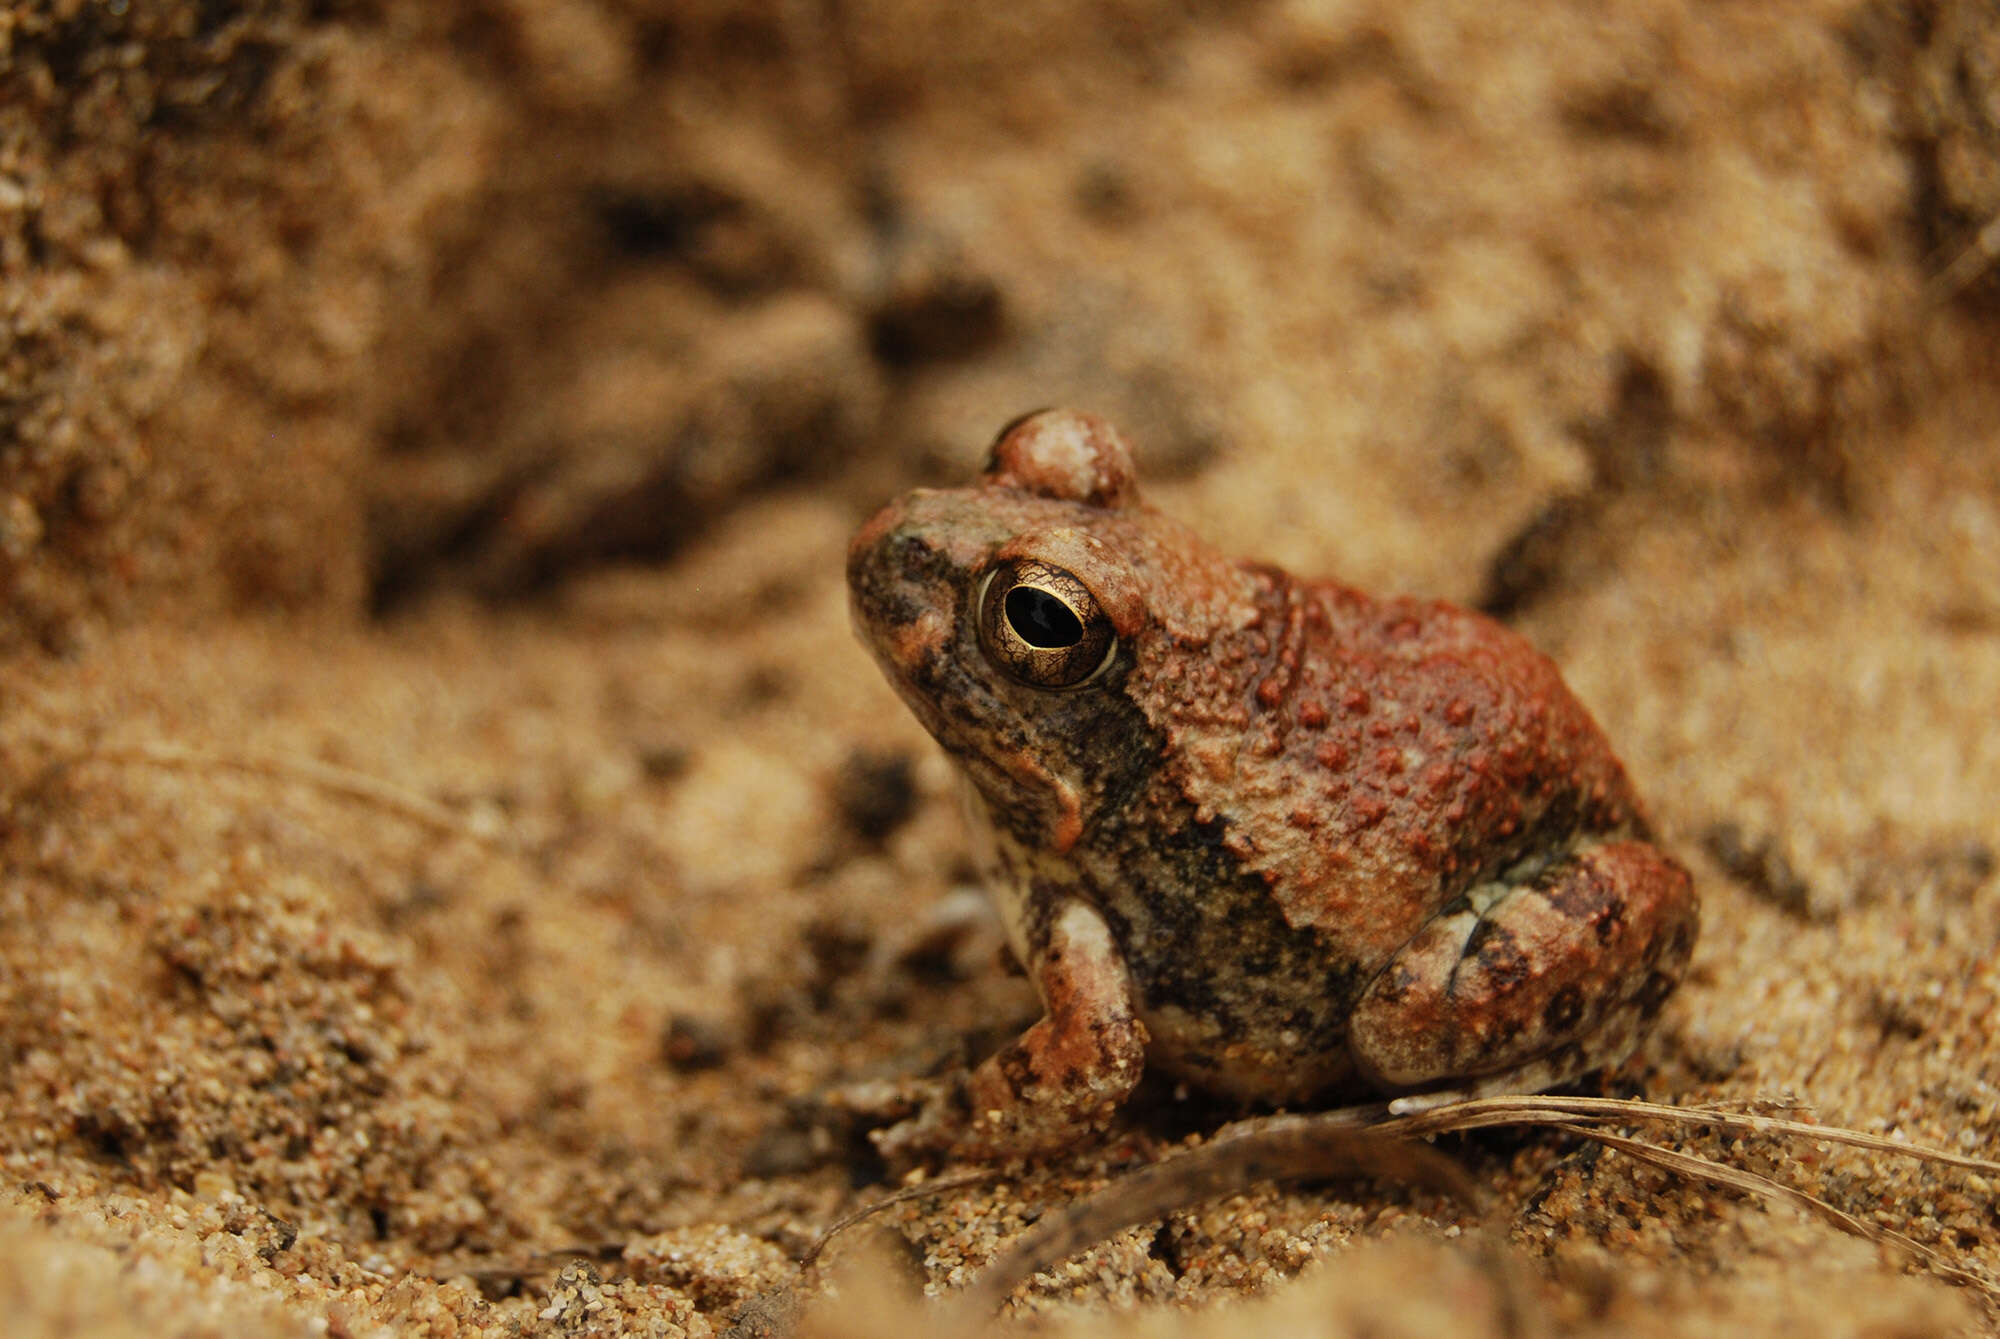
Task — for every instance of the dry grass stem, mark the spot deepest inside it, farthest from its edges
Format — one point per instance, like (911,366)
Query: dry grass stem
(942,1185)
(331,778)
(1978,257)
(1769,1188)
(1282,1148)
(1338,1144)
(1545,1110)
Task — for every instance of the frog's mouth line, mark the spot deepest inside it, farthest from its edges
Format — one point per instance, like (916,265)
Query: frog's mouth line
(1040,805)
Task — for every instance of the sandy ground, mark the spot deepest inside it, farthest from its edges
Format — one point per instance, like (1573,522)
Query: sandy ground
(451,847)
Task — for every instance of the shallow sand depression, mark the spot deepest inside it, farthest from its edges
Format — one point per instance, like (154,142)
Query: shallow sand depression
(452,849)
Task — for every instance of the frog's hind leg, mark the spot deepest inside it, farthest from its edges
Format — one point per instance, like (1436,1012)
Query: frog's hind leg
(1524,985)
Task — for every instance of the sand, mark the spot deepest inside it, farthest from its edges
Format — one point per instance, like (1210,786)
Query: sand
(452,849)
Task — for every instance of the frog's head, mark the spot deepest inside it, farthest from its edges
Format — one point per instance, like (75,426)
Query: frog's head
(1005,614)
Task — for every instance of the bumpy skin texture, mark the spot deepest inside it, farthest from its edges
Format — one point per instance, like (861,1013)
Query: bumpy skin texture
(1288,842)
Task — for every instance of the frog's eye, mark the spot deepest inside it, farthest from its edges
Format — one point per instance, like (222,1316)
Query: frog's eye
(1042,625)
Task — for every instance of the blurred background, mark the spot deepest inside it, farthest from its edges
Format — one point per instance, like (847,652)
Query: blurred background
(332,304)
(444,817)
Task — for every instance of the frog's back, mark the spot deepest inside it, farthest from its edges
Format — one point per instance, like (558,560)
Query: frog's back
(1387,755)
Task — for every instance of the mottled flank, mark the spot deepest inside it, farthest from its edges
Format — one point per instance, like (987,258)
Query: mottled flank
(1338,843)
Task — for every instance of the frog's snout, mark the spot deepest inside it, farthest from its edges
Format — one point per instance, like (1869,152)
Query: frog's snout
(900,599)
(886,563)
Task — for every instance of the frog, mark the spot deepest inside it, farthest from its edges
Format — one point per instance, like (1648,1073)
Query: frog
(1272,837)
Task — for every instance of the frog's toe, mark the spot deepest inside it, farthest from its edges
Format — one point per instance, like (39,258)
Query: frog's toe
(937,1128)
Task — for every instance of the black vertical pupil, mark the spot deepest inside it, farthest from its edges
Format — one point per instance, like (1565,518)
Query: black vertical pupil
(1041,620)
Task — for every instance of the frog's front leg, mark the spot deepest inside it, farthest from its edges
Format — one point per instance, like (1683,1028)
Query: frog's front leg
(1060,1079)
(1526,985)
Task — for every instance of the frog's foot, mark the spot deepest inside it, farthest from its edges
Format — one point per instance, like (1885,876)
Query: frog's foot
(1526,986)
(1062,1079)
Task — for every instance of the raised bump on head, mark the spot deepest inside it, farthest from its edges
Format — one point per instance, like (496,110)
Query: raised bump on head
(1068,455)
